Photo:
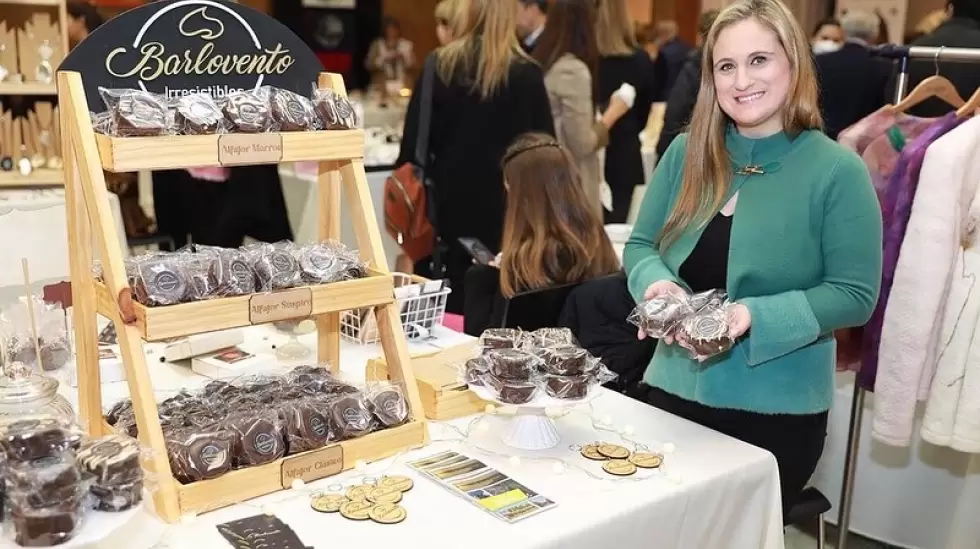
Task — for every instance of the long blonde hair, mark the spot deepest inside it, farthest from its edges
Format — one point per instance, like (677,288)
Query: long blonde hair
(707,165)
(552,236)
(486,44)
(614,31)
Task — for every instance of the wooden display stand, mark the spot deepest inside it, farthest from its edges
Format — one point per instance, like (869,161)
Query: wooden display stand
(340,154)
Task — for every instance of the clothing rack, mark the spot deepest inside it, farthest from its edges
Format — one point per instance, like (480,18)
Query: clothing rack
(903,54)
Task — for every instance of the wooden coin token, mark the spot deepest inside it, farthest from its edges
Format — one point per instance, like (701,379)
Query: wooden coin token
(613,451)
(646,460)
(591,451)
(356,510)
(619,467)
(398,482)
(384,494)
(328,503)
(359,492)
(388,513)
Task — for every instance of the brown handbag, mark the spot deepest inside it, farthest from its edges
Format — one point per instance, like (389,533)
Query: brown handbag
(408,201)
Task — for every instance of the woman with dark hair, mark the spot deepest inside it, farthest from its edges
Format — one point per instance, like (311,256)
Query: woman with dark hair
(487,92)
(391,58)
(83,18)
(827,36)
(552,236)
(568,53)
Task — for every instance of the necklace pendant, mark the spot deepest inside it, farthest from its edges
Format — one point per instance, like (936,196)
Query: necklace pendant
(750,170)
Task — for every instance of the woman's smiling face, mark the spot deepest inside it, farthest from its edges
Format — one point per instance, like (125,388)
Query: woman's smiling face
(752,76)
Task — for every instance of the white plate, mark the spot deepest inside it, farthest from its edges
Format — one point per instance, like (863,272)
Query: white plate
(540,403)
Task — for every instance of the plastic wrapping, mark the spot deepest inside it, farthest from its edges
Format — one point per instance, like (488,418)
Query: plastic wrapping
(275,266)
(197,114)
(230,269)
(388,404)
(136,113)
(334,111)
(501,338)
(52,336)
(307,424)
(46,499)
(550,337)
(162,279)
(199,455)
(291,112)
(327,262)
(258,437)
(111,465)
(660,316)
(37,438)
(101,122)
(248,111)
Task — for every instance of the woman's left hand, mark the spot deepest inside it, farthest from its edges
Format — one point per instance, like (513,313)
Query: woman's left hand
(739,320)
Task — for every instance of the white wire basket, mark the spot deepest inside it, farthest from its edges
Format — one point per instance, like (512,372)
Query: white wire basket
(421,304)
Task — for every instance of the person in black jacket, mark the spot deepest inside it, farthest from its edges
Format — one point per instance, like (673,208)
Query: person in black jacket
(962,30)
(852,80)
(487,92)
(681,99)
(672,55)
(622,61)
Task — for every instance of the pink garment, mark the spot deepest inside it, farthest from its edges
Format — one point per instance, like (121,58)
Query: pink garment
(453,322)
(215,174)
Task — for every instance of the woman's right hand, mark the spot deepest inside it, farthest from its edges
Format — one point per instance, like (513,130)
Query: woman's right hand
(659,288)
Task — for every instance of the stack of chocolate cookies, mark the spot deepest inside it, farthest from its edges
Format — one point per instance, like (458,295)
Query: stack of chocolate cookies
(112,465)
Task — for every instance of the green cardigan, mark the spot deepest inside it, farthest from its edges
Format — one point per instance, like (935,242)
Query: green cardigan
(805,258)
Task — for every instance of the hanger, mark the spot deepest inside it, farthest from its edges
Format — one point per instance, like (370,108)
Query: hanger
(972,106)
(934,86)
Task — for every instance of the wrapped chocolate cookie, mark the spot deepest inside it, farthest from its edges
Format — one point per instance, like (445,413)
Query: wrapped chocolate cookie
(196,455)
(550,337)
(660,316)
(18,326)
(110,460)
(501,338)
(707,333)
(513,364)
(350,416)
(320,264)
(45,527)
(388,404)
(161,280)
(307,424)
(45,482)
(474,369)
(291,112)
(334,111)
(509,391)
(231,271)
(275,266)
(116,498)
(197,114)
(248,111)
(567,387)
(566,360)
(136,113)
(258,437)
(712,299)
(200,272)
(35,438)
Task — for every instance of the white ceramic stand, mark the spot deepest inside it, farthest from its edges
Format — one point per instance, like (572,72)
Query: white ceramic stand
(531,432)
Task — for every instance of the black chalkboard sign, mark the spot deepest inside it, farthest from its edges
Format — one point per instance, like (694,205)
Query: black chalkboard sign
(176,47)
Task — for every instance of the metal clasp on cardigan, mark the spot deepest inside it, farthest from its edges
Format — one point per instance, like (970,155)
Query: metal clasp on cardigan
(750,170)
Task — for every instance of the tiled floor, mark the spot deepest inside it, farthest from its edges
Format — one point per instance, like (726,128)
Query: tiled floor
(798,539)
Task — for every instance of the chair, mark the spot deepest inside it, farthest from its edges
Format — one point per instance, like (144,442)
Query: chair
(536,309)
(811,505)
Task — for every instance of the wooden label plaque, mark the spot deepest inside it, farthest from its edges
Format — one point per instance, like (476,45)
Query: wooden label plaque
(313,465)
(284,305)
(249,148)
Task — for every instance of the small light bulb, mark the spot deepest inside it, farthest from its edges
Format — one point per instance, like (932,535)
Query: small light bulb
(482,427)
(188,518)
(558,467)
(490,409)
(628,430)
(552,412)
(268,511)
(607,419)
(298,484)
(514,460)
(360,465)
(669,448)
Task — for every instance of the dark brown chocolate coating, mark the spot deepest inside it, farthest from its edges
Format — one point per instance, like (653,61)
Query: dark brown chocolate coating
(707,333)
(139,114)
(247,111)
(568,387)
(500,338)
(551,337)
(45,482)
(320,265)
(307,425)
(291,111)
(111,460)
(197,114)
(258,439)
(198,456)
(44,528)
(163,281)
(476,368)
(276,269)
(661,315)
(512,364)
(511,392)
(565,361)
(389,406)
(335,112)
(350,416)
(31,439)
(117,498)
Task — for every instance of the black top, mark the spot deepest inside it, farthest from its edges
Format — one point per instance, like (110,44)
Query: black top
(852,86)
(680,102)
(624,162)
(468,138)
(707,266)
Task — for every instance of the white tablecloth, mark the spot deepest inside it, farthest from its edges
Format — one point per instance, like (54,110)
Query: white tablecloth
(715,493)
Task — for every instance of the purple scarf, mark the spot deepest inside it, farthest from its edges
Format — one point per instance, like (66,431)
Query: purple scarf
(896,207)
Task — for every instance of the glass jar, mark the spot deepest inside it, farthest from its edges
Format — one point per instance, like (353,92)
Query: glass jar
(32,396)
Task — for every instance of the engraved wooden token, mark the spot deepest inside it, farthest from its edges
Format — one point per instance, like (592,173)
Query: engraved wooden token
(384,494)
(356,510)
(399,482)
(646,460)
(359,492)
(388,513)
(328,503)
(613,451)
(591,451)
(619,467)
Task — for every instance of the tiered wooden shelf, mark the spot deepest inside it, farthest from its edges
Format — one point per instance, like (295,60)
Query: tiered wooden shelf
(43,177)
(28,88)
(340,154)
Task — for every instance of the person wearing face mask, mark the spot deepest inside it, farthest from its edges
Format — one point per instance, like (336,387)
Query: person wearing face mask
(755,200)
(827,36)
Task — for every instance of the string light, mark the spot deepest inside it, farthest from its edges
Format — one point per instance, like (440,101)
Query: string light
(514,460)
(490,409)
(628,430)
(298,484)
(188,518)
(558,468)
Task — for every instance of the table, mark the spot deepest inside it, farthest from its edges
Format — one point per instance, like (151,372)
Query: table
(717,493)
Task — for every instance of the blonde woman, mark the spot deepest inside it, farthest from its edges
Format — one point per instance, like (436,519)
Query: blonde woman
(486,93)
(623,62)
(447,20)
(757,201)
